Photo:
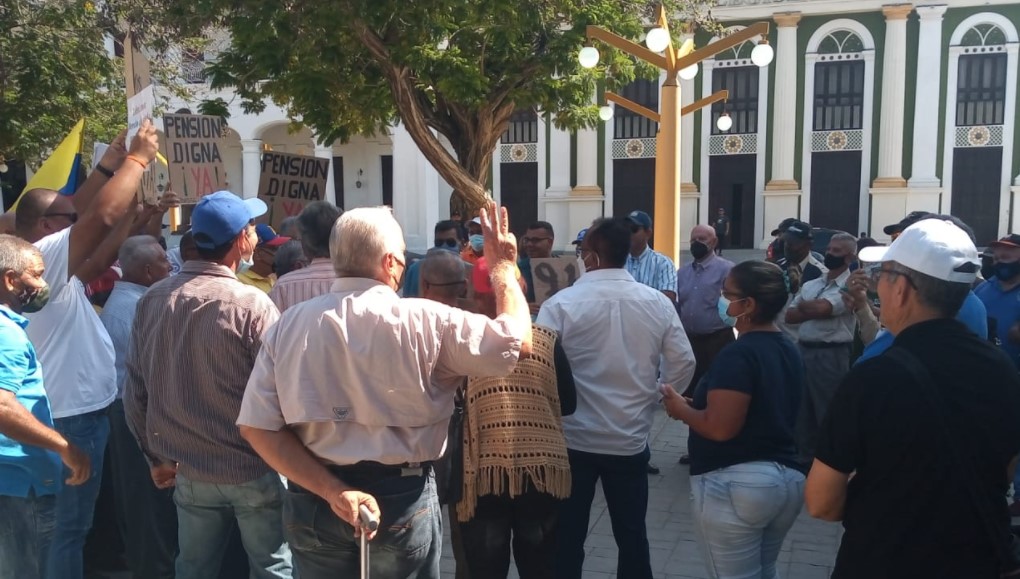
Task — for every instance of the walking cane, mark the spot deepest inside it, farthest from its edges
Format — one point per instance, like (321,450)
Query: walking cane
(368,524)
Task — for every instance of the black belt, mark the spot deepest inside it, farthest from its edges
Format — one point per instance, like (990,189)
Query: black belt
(711,334)
(370,469)
(826,344)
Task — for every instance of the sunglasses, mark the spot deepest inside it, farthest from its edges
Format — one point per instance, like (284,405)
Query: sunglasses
(451,243)
(72,217)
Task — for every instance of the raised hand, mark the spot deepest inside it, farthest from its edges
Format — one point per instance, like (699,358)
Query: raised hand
(115,153)
(500,244)
(146,142)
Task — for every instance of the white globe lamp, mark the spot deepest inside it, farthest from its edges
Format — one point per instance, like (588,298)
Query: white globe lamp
(588,57)
(725,122)
(606,112)
(762,54)
(657,39)
(690,72)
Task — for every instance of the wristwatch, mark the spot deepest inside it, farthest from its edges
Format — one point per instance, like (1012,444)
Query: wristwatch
(104,171)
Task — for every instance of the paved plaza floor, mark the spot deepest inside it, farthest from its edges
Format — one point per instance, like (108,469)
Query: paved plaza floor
(809,551)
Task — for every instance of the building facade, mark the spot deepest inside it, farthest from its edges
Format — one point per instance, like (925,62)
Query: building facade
(869,110)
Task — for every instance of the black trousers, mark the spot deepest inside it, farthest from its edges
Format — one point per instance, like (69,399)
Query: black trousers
(706,347)
(525,525)
(147,515)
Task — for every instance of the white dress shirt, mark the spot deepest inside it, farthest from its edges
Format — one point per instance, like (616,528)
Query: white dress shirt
(622,339)
(362,374)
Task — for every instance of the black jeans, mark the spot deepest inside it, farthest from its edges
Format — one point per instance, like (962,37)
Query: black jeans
(526,523)
(625,485)
(147,515)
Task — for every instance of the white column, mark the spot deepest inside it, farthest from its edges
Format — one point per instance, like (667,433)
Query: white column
(894,81)
(251,163)
(688,184)
(415,191)
(326,152)
(588,162)
(785,108)
(559,161)
(926,105)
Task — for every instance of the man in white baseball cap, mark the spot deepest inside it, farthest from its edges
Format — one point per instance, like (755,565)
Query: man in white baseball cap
(927,429)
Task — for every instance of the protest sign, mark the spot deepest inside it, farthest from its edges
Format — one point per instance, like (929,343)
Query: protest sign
(193,145)
(98,150)
(289,182)
(552,274)
(140,106)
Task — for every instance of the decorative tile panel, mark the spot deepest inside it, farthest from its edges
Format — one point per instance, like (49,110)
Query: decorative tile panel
(733,144)
(979,136)
(519,153)
(634,148)
(826,141)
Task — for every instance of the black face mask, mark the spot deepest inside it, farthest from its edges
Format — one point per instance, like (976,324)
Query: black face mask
(1007,271)
(699,249)
(834,261)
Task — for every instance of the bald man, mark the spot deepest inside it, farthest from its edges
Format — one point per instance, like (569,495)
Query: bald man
(444,278)
(699,285)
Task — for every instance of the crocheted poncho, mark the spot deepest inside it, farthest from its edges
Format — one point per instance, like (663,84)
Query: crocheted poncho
(513,433)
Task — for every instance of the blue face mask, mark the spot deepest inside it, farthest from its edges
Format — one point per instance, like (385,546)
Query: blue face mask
(477,243)
(724,306)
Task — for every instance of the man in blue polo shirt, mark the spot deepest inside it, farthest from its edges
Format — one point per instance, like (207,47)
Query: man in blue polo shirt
(30,449)
(1001,295)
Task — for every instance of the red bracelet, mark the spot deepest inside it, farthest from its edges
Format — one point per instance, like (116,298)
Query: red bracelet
(138,160)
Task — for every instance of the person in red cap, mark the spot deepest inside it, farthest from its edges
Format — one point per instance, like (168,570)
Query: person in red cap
(260,274)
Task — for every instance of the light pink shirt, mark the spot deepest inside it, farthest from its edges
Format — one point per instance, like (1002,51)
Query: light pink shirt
(303,284)
(362,374)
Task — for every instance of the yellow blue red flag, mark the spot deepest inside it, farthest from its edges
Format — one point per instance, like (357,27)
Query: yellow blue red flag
(60,171)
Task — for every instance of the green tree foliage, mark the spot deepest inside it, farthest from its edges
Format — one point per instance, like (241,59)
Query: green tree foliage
(455,68)
(54,70)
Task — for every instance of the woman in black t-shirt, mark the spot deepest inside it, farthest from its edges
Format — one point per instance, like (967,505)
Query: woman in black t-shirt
(747,487)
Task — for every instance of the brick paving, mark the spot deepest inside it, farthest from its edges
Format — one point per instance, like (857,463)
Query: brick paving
(808,553)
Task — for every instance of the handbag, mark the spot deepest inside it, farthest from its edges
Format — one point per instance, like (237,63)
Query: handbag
(450,467)
(1007,547)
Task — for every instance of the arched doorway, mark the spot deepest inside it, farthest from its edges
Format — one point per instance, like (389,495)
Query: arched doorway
(839,95)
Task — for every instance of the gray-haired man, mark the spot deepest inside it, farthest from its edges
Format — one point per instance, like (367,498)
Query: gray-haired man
(826,336)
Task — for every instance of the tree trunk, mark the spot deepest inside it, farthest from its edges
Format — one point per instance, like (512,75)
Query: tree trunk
(474,142)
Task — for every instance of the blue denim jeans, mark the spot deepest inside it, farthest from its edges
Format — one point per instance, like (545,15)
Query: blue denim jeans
(26,529)
(625,485)
(409,542)
(76,504)
(742,514)
(205,512)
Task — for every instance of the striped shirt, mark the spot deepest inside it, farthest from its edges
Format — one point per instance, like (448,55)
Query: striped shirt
(653,269)
(303,284)
(193,345)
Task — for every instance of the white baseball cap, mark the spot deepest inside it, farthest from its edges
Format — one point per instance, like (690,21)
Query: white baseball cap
(933,247)
(477,220)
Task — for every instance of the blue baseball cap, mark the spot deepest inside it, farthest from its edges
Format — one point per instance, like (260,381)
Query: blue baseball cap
(580,237)
(641,218)
(219,217)
(268,237)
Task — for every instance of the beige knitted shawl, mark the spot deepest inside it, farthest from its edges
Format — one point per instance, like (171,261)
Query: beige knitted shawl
(513,433)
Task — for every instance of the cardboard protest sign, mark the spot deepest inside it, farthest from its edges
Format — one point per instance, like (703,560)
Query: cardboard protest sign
(140,106)
(552,274)
(289,182)
(193,145)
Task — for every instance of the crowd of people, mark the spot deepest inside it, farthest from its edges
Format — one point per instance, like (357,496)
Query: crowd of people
(255,390)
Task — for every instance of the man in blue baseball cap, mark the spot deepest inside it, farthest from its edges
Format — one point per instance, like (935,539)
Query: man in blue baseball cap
(194,342)
(580,239)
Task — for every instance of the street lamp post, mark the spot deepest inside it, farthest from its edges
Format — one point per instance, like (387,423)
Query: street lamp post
(667,141)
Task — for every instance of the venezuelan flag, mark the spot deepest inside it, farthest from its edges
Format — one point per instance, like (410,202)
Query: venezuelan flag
(60,171)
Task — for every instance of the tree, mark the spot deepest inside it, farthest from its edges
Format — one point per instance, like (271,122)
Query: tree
(456,68)
(54,70)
